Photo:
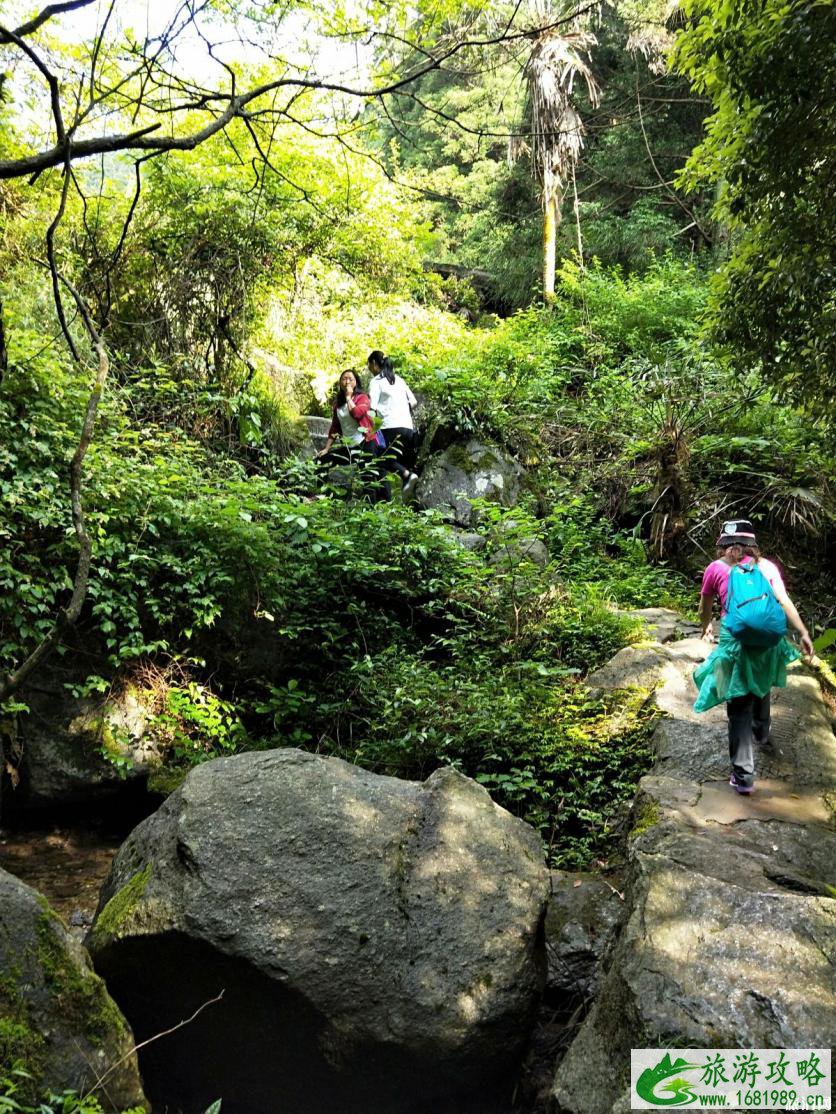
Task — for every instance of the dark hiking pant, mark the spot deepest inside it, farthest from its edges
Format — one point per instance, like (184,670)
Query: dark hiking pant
(748,724)
(400,449)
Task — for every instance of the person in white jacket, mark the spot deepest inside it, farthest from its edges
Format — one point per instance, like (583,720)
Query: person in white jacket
(393,401)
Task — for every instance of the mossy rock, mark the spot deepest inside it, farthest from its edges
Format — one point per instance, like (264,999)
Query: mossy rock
(21,1045)
(57,1020)
(646,815)
(466,471)
(76,750)
(117,912)
(165,779)
(472,457)
(302,887)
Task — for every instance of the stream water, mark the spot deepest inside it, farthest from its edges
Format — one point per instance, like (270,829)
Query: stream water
(67,857)
(66,865)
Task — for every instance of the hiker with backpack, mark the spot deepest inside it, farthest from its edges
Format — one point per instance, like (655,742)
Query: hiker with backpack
(752,653)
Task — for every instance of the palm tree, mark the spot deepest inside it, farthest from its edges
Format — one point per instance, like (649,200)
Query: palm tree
(558,59)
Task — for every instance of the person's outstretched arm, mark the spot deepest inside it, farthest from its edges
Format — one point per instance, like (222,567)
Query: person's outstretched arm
(708,590)
(793,618)
(333,433)
(706,608)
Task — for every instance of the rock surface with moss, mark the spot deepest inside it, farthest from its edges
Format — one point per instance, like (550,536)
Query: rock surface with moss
(57,1020)
(77,749)
(452,479)
(730,932)
(376,940)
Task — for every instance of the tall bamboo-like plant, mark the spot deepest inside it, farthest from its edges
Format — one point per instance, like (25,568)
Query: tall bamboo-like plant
(557,61)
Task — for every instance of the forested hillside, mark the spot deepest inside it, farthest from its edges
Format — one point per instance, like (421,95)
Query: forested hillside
(596,242)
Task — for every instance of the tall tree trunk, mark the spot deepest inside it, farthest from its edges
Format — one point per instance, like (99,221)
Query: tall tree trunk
(551,223)
(577,210)
(4,355)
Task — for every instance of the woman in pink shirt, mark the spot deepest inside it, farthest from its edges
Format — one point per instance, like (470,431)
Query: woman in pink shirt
(715,580)
(743,675)
(350,423)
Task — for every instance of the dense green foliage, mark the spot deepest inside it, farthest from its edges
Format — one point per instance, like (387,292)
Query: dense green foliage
(769,68)
(16,1096)
(254,609)
(184,548)
(465,140)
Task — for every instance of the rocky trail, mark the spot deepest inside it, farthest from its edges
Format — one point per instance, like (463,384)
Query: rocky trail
(729,937)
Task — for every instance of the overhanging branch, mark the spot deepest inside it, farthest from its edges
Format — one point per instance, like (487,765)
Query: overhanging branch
(48,12)
(144,139)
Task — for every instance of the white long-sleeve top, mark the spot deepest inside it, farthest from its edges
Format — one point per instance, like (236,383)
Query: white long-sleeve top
(392,402)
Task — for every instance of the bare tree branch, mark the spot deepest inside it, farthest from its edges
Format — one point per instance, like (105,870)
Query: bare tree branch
(688,212)
(49,76)
(237,103)
(109,260)
(117,251)
(4,354)
(265,158)
(97,48)
(53,266)
(156,1037)
(49,11)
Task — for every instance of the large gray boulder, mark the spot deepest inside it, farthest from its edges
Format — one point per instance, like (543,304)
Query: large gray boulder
(56,1017)
(583,915)
(314,435)
(376,940)
(730,932)
(463,472)
(71,750)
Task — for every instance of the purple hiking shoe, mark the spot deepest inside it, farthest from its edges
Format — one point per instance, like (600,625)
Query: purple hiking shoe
(739,787)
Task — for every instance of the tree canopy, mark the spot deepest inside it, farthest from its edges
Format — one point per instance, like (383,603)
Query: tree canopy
(769,68)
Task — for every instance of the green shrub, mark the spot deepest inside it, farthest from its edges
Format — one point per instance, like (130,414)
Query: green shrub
(547,751)
(195,724)
(16,1088)
(637,314)
(613,564)
(183,539)
(633,240)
